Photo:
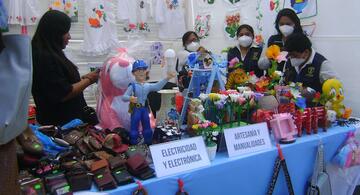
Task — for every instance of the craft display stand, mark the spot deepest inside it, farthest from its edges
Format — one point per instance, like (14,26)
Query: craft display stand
(194,86)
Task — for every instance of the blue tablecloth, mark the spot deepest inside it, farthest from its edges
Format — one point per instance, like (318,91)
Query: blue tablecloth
(249,174)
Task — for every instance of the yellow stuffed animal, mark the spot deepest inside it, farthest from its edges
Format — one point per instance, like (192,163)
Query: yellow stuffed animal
(333,91)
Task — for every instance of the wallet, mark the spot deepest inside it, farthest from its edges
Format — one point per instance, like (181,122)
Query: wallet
(103,179)
(117,162)
(138,167)
(79,179)
(57,184)
(82,146)
(73,136)
(136,162)
(30,185)
(102,155)
(137,149)
(122,176)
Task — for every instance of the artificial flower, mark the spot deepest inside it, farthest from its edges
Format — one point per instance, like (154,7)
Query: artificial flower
(223,97)
(241,100)
(234,97)
(248,94)
(219,104)
(242,89)
(195,127)
(273,52)
(258,96)
(233,62)
(317,95)
(214,97)
(253,78)
(203,96)
(282,57)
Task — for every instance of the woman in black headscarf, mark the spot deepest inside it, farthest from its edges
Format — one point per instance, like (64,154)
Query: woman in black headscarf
(57,86)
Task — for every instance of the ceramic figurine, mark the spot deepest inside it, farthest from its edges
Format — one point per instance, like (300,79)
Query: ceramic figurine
(195,114)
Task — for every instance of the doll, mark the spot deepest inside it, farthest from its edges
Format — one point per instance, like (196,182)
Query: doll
(136,94)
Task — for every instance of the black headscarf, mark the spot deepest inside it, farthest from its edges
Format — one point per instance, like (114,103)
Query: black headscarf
(52,26)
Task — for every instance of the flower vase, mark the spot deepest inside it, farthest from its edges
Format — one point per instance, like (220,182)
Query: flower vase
(167,103)
(212,151)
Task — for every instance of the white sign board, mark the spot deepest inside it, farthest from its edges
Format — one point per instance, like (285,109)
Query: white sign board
(247,139)
(179,156)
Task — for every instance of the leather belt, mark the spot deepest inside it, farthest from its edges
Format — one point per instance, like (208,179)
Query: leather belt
(138,105)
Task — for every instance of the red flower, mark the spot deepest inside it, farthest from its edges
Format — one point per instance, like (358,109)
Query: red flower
(317,95)
(288,94)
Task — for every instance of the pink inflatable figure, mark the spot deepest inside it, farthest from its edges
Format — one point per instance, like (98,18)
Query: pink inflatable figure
(115,77)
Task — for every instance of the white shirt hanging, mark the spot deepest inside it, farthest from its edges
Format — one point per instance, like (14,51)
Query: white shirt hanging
(100,34)
(135,12)
(170,15)
(24,12)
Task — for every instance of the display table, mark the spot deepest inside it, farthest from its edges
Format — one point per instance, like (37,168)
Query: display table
(249,174)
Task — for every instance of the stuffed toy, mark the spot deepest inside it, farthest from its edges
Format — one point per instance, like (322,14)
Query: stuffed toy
(333,91)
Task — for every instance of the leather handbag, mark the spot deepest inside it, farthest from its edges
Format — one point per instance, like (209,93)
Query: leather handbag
(319,183)
(16,81)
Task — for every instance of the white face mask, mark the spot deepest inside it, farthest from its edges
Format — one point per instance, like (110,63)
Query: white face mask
(245,41)
(193,46)
(296,62)
(286,30)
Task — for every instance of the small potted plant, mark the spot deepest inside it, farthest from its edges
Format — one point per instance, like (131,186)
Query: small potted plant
(209,131)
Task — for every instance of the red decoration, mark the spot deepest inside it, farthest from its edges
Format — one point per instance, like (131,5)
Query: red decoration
(310,119)
(262,116)
(287,108)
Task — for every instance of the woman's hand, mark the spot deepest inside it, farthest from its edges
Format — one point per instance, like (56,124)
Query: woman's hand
(92,76)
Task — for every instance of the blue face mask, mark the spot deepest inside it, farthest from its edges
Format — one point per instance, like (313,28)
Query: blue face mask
(3,16)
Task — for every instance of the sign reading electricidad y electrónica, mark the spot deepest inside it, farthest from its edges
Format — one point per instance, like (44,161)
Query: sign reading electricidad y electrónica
(178,156)
(247,139)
